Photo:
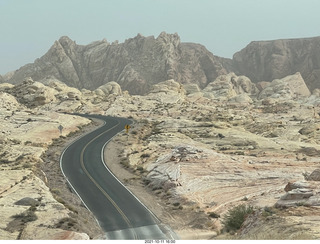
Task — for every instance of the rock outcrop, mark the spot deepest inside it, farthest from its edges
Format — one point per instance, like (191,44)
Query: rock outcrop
(289,87)
(301,193)
(28,209)
(269,60)
(141,62)
(230,86)
(136,64)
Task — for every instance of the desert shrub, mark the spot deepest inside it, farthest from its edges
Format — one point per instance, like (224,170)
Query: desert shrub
(56,191)
(140,168)
(125,162)
(27,165)
(214,215)
(66,223)
(145,155)
(176,204)
(267,211)
(27,216)
(236,216)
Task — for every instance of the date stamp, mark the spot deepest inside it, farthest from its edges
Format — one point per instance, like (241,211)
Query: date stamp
(159,241)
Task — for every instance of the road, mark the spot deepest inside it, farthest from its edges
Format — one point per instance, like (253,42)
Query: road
(119,213)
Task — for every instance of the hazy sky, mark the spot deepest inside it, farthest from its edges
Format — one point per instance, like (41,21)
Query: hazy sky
(28,28)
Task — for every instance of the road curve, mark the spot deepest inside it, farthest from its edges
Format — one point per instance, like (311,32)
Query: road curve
(119,213)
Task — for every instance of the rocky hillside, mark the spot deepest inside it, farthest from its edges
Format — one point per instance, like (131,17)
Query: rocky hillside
(136,64)
(269,60)
(141,62)
(198,152)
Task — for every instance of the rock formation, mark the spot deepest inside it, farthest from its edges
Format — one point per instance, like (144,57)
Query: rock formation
(301,193)
(141,62)
(203,140)
(230,86)
(136,64)
(288,87)
(269,60)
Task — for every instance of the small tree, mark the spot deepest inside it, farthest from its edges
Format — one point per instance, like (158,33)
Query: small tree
(236,216)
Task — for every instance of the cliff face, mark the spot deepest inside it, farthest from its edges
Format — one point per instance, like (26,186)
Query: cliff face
(140,62)
(269,60)
(136,64)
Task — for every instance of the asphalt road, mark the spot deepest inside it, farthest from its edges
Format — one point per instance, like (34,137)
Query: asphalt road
(119,213)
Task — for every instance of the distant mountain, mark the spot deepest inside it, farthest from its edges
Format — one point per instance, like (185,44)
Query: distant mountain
(141,62)
(269,60)
(136,64)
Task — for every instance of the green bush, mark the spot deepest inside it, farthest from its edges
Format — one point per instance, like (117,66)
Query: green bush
(236,216)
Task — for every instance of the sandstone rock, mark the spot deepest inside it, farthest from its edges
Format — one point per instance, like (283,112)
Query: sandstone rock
(277,89)
(9,102)
(316,92)
(136,64)
(63,92)
(191,88)
(32,93)
(241,99)
(269,60)
(301,193)
(5,87)
(297,84)
(286,88)
(315,175)
(309,129)
(108,89)
(295,185)
(27,201)
(168,91)
(298,194)
(229,86)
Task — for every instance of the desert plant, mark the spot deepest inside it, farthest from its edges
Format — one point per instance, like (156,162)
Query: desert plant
(236,216)
(214,215)
(145,155)
(27,216)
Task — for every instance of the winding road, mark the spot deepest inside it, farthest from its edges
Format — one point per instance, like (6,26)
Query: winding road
(119,213)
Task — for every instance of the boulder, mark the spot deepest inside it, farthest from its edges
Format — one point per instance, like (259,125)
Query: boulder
(108,89)
(27,201)
(32,93)
(301,193)
(309,129)
(277,89)
(168,91)
(286,88)
(299,184)
(229,86)
(315,175)
(298,194)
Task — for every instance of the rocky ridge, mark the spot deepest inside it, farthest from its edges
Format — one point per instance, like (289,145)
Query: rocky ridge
(199,151)
(269,60)
(140,62)
(136,64)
